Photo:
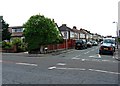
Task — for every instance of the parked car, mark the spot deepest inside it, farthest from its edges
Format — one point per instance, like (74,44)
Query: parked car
(106,47)
(95,43)
(89,44)
(81,44)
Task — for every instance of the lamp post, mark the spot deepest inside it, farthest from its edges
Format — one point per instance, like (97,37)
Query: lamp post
(116,27)
(117,32)
(66,38)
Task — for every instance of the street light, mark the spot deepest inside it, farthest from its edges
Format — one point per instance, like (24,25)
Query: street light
(116,27)
(117,32)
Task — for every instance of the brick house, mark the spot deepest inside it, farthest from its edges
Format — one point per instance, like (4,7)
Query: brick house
(17,31)
(67,32)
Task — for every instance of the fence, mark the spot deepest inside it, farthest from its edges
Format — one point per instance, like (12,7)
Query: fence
(67,44)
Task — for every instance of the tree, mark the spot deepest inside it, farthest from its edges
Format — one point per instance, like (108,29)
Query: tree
(40,31)
(6,35)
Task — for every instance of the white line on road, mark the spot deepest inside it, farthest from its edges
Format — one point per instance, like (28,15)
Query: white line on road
(62,64)
(83,69)
(50,68)
(87,52)
(70,68)
(83,59)
(63,68)
(75,58)
(103,71)
(106,60)
(27,64)
(91,56)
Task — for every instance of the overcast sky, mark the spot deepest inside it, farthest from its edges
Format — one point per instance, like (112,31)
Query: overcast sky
(93,15)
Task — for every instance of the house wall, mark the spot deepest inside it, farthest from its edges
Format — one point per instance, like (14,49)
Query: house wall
(82,35)
(72,34)
(65,34)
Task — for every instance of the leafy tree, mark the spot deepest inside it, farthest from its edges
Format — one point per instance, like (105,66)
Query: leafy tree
(6,35)
(40,31)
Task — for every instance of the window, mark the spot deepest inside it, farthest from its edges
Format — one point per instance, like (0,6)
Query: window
(17,30)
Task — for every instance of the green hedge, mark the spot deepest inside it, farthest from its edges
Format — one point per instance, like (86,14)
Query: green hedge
(21,46)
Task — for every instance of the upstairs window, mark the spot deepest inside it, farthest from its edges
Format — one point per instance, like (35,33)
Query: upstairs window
(17,30)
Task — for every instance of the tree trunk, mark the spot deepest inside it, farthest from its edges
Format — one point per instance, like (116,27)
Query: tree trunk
(41,49)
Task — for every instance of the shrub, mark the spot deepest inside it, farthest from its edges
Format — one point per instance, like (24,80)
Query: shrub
(119,40)
(16,41)
(21,46)
(7,45)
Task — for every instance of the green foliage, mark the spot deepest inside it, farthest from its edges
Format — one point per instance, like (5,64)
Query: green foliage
(16,41)
(40,30)
(21,46)
(6,35)
(7,45)
(119,40)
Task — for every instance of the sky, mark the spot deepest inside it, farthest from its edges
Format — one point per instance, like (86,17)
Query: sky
(96,16)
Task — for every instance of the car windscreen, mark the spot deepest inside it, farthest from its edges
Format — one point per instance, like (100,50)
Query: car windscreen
(78,41)
(109,41)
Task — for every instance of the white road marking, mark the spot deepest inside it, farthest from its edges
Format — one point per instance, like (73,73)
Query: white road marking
(50,68)
(63,68)
(83,59)
(70,68)
(75,58)
(87,52)
(61,64)
(27,64)
(83,69)
(91,56)
(103,71)
(35,57)
(106,60)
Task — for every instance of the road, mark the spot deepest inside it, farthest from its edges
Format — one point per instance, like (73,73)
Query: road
(64,67)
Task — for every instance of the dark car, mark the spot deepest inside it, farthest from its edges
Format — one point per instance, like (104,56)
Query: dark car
(80,44)
(106,47)
(95,43)
(89,44)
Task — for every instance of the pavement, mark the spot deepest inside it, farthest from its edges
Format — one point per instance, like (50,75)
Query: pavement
(56,52)
(118,53)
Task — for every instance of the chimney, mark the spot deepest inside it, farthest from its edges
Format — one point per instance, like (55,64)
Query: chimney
(64,25)
(81,29)
(74,27)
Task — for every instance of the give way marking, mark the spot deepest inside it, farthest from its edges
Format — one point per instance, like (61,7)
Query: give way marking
(82,69)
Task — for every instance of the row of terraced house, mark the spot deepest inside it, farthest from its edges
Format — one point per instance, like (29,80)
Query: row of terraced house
(69,35)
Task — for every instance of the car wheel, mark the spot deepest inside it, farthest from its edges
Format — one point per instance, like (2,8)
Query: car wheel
(112,53)
(100,53)
(114,49)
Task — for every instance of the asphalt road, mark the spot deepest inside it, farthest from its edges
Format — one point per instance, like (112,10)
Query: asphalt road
(64,67)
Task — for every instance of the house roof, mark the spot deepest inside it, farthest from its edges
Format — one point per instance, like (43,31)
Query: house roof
(15,27)
(75,29)
(65,28)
